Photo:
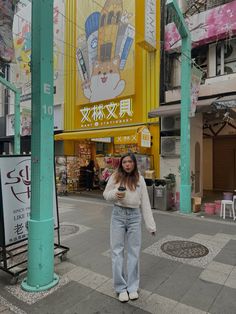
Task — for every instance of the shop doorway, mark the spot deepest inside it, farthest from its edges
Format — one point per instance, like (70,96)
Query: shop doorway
(224,163)
(197,167)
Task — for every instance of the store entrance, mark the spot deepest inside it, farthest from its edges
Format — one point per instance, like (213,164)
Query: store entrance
(75,173)
(224,163)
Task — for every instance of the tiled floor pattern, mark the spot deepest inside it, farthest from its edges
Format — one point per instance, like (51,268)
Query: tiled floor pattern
(81,229)
(66,207)
(31,298)
(214,244)
(212,272)
(8,308)
(148,301)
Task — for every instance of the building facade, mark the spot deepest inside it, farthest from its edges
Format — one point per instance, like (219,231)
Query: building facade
(212,25)
(112,63)
(18,72)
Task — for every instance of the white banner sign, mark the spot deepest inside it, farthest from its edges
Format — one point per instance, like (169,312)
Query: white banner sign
(195,87)
(150,22)
(15,198)
(145,138)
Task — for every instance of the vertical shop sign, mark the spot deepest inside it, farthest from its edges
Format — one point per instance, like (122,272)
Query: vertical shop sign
(150,23)
(145,138)
(15,195)
(195,87)
(105,50)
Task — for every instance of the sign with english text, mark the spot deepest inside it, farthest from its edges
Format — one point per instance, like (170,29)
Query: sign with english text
(15,177)
(107,114)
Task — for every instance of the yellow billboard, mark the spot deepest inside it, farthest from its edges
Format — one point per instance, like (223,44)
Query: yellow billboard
(105,53)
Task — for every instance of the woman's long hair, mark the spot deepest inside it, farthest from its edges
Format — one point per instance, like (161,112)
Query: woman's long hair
(125,179)
(91,165)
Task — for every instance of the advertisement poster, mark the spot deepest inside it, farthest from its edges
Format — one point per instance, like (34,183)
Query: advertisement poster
(15,198)
(7,10)
(21,71)
(25,122)
(105,52)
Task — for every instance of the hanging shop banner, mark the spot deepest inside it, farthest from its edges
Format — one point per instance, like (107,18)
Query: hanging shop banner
(150,23)
(105,51)
(205,27)
(15,192)
(145,138)
(7,10)
(195,87)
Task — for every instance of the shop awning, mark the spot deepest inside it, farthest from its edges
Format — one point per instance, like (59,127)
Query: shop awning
(166,110)
(98,133)
(225,102)
(203,105)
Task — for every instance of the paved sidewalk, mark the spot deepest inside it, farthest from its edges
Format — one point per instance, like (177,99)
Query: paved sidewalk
(168,284)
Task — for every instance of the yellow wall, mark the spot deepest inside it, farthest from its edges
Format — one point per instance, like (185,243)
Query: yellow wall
(70,65)
(147,72)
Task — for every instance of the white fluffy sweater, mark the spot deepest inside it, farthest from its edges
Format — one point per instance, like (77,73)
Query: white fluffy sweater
(133,199)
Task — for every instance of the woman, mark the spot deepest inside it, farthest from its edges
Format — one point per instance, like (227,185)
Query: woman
(126,222)
(89,175)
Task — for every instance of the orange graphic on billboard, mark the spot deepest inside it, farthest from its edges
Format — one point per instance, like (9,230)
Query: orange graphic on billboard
(105,53)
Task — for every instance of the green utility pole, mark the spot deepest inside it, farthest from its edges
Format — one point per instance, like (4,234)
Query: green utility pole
(185,186)
(10,86)
(40,274)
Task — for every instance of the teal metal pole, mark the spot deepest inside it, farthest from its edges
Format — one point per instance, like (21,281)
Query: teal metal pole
(17,124)
(10,86)
(40,273)
(185,186)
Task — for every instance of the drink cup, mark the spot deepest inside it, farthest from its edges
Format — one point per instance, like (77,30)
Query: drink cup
(122,190)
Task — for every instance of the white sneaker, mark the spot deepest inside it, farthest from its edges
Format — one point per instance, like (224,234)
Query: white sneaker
(123,297)
(133,295)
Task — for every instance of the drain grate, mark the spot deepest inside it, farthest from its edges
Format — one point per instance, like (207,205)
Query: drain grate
(184,249)
(68,229)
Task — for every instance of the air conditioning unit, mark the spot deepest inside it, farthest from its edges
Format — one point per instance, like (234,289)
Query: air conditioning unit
(229,68)
(170,146)
(170,123)
(229,51)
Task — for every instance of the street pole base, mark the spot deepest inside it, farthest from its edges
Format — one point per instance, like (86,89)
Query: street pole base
(185,199)
(25,286)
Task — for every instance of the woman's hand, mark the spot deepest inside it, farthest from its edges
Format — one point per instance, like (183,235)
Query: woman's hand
(120,195)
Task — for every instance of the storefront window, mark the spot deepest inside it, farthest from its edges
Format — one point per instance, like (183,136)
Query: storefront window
(102,148)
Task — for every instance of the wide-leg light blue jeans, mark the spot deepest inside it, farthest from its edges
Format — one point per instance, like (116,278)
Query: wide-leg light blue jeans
(125,224)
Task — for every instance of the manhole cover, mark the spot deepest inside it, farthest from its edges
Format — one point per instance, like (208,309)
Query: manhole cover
(66,230)
(184,249)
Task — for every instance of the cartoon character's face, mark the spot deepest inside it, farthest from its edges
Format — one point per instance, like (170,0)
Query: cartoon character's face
(106,74)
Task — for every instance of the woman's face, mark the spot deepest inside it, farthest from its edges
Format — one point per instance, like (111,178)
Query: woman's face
(128,164)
